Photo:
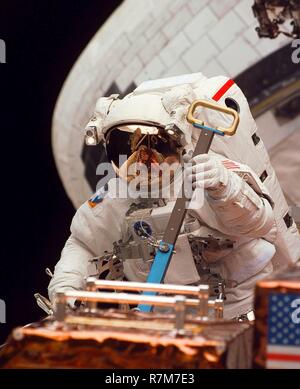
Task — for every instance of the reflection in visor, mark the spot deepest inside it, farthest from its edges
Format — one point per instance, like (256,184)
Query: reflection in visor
(144,146)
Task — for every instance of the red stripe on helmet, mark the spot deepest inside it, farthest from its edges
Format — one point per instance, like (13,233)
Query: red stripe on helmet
(223,90)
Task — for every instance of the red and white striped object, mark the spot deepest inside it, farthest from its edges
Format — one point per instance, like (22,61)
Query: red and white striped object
(230,164)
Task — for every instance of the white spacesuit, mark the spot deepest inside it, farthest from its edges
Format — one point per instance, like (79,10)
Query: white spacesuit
(235,237)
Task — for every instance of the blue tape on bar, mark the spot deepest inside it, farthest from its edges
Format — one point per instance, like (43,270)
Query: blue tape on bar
(208,128)
(157,273)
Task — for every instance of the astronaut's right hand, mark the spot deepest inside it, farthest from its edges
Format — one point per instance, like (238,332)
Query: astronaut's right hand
(207,172)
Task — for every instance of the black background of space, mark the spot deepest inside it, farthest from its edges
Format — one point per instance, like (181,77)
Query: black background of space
(43,40)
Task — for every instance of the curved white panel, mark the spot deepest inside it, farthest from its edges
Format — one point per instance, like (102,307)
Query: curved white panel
(147,40)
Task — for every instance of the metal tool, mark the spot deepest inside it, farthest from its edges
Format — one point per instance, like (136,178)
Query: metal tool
(164,252)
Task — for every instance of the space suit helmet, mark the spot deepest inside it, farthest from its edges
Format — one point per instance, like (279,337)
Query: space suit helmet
(139,137)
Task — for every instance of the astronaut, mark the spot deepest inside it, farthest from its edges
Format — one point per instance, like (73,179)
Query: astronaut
(237,234)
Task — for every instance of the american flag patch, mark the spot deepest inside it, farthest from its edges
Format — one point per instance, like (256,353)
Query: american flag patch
(283,348)
(230,164)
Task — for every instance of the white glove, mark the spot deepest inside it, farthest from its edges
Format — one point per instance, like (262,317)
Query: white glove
(207,172)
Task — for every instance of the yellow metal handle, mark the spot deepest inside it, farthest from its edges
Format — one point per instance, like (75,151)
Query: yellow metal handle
(215,107)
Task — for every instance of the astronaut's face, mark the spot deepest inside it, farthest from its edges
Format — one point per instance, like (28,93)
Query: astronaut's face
(146,155)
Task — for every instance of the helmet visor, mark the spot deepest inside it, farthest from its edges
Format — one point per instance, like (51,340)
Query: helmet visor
(131,148)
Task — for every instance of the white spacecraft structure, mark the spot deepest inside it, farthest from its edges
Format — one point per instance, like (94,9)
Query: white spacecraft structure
(153,39)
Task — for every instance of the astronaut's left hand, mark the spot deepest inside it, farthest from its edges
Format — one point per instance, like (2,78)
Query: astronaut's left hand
(208,173)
